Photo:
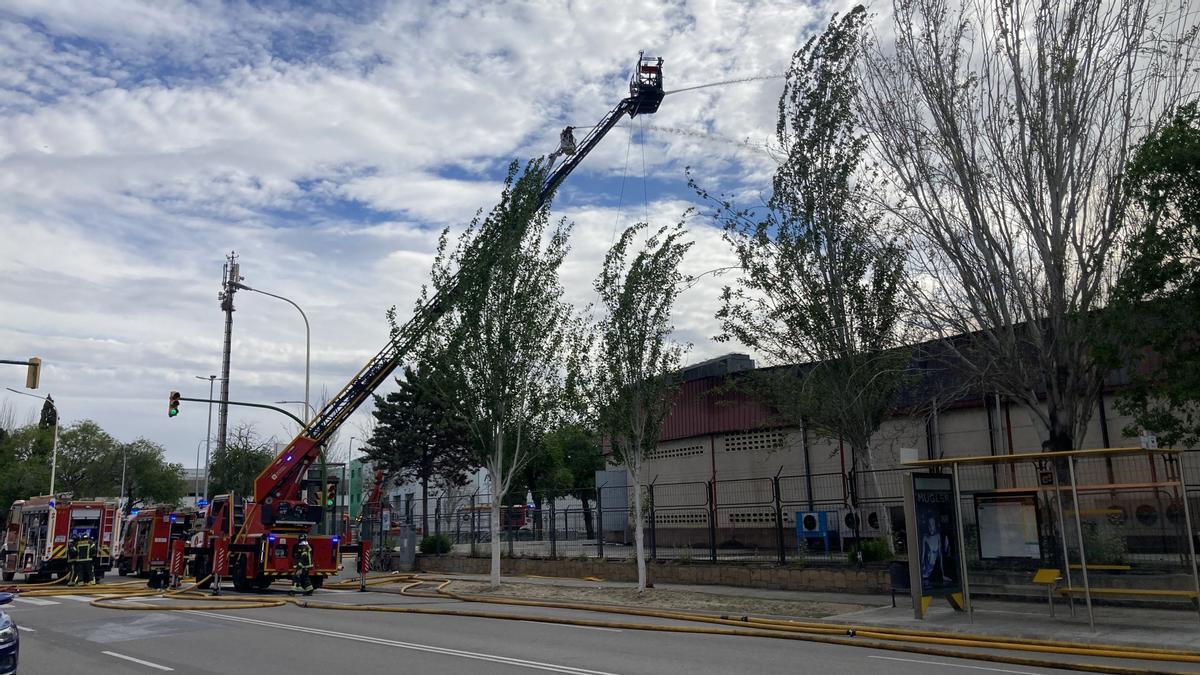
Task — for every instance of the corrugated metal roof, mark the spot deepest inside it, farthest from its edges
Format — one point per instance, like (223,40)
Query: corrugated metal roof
(706,406)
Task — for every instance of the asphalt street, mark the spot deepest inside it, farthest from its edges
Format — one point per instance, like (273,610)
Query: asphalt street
(65,635)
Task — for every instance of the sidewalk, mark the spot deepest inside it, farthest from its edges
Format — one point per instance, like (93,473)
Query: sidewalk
(1163,628)
(1144,627)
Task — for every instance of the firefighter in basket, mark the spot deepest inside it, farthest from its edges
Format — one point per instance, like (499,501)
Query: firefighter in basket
(304,563)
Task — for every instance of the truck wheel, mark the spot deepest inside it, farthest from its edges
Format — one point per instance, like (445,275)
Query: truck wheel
(317,582)
(263,583)
(123,571)
(9,576)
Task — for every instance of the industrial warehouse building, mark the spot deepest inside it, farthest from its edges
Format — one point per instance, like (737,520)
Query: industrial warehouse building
(726,473)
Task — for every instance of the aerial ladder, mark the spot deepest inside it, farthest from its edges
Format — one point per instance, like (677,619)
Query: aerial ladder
(252,538)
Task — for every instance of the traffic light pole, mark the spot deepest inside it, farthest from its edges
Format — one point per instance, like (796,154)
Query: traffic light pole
(34,375)
(244,404)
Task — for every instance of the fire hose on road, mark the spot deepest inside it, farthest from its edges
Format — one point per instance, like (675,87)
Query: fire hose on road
(133,596)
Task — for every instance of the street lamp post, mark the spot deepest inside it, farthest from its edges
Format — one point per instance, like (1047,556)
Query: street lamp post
(196,482)
(121,501)
(54,451)
(307,335)
(349,463)
(208,441)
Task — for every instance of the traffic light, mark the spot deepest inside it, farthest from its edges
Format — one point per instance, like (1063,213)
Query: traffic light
(34,375)
(173,404)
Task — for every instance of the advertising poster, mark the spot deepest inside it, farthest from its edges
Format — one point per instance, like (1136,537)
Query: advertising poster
(936,534)
(1008,526)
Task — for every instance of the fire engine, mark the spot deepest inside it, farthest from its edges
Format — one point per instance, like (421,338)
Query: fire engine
(147,542)
(40,529)
(252,538)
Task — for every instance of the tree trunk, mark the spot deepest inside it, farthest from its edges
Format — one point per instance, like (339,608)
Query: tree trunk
(495,531)
(638,530)
(587,515)
(425,506)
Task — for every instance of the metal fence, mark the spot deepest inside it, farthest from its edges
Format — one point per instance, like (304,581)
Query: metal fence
(729,520)
(792,518)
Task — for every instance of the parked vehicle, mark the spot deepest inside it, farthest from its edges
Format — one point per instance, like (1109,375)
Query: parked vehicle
(10,639)
(40,529)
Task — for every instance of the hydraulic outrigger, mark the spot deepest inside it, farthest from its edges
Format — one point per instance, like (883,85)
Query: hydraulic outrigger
(253,540)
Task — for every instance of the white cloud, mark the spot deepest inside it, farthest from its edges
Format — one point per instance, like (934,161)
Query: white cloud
(141,141)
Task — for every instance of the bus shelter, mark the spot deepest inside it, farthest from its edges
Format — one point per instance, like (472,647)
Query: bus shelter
(1070,519)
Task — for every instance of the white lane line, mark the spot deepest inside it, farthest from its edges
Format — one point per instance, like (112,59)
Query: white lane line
(536,665)
(955,665)
(36,601)
(76,598)
(144,663)
(26,629)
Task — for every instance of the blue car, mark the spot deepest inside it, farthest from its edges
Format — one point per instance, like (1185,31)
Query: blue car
(10,641)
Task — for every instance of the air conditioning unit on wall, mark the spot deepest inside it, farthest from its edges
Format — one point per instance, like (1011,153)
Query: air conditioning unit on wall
(815,522)
(816,525)
(872,521)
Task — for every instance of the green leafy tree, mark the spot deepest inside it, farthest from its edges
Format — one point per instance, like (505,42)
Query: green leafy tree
(820,284)
(504,344)
(235,466)
(634,365)
(90,463)
(149,478)
(418,437)
(85,457)
(24,464)
(1157,300)
(581,457)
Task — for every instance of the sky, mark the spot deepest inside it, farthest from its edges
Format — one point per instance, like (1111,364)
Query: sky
(142,142)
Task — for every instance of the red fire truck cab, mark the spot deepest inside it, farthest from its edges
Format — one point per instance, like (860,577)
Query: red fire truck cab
(40,529)
(149,535)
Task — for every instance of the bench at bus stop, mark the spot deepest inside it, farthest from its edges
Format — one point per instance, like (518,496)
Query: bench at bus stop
(1051,577)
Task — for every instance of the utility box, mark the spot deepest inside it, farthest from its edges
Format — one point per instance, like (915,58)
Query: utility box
(615,496)
(403,539)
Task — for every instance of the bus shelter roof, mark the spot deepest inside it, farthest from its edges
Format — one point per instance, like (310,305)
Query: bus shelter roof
(1042,456)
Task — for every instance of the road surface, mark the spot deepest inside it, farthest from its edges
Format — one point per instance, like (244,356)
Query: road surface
(65,635)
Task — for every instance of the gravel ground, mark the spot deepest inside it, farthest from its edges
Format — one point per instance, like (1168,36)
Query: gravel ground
(659,599)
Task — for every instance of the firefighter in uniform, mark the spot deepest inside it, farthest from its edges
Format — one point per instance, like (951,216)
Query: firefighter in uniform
(85,554)
(304,563)
(72,560)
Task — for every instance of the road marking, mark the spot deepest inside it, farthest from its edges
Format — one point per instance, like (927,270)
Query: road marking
(144,663)
(36,601)
(26,629)
(76,598)
(536,665)
(955,665)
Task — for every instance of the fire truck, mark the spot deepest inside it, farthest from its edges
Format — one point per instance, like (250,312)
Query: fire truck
(147,543)
(252,538)
(40,529)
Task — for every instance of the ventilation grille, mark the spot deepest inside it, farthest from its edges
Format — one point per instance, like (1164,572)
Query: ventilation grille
(754,440)
(676,453)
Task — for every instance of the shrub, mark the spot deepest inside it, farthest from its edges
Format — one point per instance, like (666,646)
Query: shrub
(435,544)
(873,550)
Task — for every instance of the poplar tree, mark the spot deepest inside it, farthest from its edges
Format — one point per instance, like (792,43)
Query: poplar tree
(821,286)
(636,362)
(505,340)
